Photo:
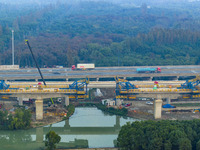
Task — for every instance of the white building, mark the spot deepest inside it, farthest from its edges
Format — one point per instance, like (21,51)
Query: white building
(108,102)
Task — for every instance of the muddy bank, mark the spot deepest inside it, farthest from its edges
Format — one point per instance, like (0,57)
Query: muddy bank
(140,110)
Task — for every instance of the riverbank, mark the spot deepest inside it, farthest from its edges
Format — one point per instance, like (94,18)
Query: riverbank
(52,118)
(141,110)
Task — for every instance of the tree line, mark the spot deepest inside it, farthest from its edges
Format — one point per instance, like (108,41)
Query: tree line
(160,135)
(102,33)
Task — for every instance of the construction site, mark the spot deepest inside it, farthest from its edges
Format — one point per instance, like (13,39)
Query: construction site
(183,100)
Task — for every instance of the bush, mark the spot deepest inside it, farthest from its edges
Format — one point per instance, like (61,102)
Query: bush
(51,139)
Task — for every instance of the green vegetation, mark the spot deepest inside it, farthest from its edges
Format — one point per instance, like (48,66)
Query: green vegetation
(121,112)
(71,109)
(160,135)
(51,139)
(21,120)
(187,105)
(102,33)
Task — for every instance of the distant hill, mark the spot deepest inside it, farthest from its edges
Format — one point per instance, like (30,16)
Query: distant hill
(108,33)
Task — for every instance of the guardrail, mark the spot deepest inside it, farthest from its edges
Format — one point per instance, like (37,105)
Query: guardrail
(157,90)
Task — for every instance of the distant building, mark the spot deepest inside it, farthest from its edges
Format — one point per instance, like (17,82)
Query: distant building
(9,67)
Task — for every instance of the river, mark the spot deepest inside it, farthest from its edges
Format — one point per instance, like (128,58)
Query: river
(88,127)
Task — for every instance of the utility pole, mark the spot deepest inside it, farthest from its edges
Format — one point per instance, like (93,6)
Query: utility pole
(13,61)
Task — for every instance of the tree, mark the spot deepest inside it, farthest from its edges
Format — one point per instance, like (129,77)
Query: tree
(185,144)
(198,145)
(21,120)
(167,145)
(175,136)
(51,139)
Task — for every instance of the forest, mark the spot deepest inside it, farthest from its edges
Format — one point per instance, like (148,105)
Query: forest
(160,135)
(129,33)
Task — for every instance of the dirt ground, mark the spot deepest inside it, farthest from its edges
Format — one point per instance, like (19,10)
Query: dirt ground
(141,110)
(52,114)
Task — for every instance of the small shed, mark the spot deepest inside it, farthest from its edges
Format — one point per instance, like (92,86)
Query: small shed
(108,102)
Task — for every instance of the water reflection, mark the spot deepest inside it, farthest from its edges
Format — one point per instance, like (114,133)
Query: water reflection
(88,127)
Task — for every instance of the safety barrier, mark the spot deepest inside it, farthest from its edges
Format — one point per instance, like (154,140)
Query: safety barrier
(36,86)
(41,91)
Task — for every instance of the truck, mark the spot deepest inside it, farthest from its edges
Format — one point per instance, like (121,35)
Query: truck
(83,67)
(149,70)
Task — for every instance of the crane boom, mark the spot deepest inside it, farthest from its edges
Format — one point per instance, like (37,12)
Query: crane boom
(35,62)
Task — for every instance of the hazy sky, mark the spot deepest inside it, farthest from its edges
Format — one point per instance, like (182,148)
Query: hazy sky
(115,1)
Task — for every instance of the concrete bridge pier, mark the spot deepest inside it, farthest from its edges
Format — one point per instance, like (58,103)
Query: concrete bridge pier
(39,109)
(157,109)
(117,124)
(67,123)
(39,134)
(168,100)
(66,100)
(20,101)
(177,78)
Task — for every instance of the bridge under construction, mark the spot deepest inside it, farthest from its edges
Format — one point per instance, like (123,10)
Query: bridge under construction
(79,90)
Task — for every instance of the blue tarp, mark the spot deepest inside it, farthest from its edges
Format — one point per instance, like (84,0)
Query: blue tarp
(168,106)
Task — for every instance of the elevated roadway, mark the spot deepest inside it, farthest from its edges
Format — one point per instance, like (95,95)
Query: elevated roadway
(100,73)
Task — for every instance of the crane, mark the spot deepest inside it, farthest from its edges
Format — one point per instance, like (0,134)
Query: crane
(124,89)
(35,62)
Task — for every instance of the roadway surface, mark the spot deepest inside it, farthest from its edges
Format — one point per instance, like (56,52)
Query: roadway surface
(98,72)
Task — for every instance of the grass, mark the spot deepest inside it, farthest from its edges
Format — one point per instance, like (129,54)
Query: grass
(187,105)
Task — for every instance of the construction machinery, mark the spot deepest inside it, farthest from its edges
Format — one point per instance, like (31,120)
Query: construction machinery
(193,86)
(3,85)
(35,61)
(79,89)
(124,89)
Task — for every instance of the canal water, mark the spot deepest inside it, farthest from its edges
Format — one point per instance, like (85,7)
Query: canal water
(88,127)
